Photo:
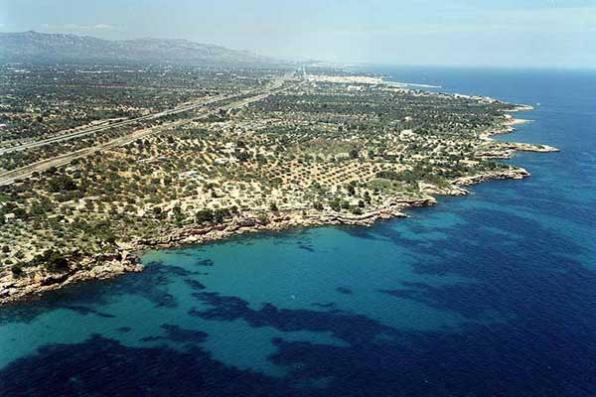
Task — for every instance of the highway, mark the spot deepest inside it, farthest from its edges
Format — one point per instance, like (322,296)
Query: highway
(276,84)
(93,130)
(9,177)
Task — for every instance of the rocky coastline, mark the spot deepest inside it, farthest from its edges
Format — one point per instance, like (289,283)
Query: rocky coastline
(38,280)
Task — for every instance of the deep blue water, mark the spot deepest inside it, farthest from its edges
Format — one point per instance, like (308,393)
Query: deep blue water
(489,295)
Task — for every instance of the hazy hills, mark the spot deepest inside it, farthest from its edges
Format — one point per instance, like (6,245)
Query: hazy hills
(41,47)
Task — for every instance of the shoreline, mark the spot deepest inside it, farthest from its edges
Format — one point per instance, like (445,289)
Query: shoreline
(127,258)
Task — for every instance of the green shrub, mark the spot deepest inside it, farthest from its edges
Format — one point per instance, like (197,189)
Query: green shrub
(335,204)
(17,271)
(204,216)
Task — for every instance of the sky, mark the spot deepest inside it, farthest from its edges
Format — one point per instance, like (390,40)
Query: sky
(499,33)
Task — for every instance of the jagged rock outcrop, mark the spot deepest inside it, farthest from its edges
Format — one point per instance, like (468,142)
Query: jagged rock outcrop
(38,279)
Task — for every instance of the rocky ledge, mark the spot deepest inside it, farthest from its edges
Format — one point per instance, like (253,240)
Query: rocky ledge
(35,280)
(280,221)
(38,279)
(511,173)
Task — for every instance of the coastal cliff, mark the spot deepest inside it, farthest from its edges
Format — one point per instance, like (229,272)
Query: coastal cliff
(38,280)
(414,186)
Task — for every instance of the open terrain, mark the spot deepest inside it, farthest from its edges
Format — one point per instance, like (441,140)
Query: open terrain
(99,162)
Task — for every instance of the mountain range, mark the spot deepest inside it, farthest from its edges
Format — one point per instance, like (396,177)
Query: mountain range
(69,48)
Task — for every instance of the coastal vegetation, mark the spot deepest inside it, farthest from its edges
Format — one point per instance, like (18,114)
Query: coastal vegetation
(346,149)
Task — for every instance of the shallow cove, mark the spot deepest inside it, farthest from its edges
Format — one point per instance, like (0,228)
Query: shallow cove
(492,294)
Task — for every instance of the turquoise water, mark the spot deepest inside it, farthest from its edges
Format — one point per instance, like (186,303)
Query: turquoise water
(492,294)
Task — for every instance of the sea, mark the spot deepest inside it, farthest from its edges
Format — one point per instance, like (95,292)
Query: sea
(493,294)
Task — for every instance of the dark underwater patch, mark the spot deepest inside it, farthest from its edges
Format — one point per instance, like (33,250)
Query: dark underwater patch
(84,311)
(204,262)
(194,284)
(103,367)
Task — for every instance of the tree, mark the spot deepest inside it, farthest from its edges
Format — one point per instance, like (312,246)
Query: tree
(351,189)
(17,271)
(367,197)
(357,211)
(177,213)
(204,216)
(60,183)
(53,261)
(242,156)
(335,204)
(220,214)
(263,218)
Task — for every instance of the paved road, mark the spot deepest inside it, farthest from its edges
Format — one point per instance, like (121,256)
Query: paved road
(9,177)
(94,130)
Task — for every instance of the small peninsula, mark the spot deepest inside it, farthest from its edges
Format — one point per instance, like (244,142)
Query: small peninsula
(99,163)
